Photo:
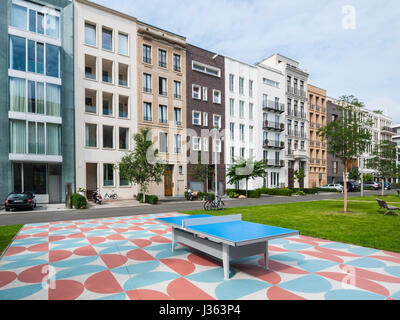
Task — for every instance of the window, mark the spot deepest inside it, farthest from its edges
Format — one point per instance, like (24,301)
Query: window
(196,118)
(17,136)
(52,61)
(52,26)
(177,116)
(205,144)
(106,36)
(122,43)
(251,134)
(265,100)
(18,16)
(217,96)
(250,88)
(53,139)
(196,144)
(122,74)
(232,154)
(217,121)
(17,53)
(107,104)
(177,62)
(91,135)
(241,85)
(196,92)
(177,89)
(205,119)
(32,137)
(90,34)
(162,58)
(53,100)
(205,93)
(32,96)
(180,169)
(241,132)
(232,130)
(177,143)
(123,182)
(162,114)
(335,166)
(90,101)
(241,109)
(147,116)
(40,23)
(90,67)
(242,150)
(197,66)
(163,142)
(273,83)
(162,86)
(107,67)
(108,175)
(146,54)
(108,137)
(123,138)
(251,117)
(17,94)
(123,107)
(147,82)
(231,83)
(231,107)
(31,56)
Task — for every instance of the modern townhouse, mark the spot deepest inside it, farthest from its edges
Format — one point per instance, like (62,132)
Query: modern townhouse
(271,119)
(396,139)
(205,118)
(242,117)
(105,97)
(317,114)
(37,98)
(296,117)
(161,63)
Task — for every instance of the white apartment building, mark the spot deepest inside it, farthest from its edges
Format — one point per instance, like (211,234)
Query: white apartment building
(105,96)
(271,99)
(242,117)
(296,129)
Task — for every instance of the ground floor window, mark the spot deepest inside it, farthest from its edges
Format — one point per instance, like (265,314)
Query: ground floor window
(108,175)
(30,177)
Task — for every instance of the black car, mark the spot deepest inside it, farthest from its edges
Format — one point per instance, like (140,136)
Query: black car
(351,186)
(25,200)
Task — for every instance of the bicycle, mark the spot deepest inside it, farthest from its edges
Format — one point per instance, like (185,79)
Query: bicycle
(214,204)
(112,196)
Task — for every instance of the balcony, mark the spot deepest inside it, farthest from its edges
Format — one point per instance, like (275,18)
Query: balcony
(147,90)
(274,144)
(147,60)
(296,91)
(162,64)
(274,126)
(388,130)
(273,106)
(177,68)
(300,154)
(274,163)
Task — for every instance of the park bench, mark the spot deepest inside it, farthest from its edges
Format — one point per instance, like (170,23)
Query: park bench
(388,208)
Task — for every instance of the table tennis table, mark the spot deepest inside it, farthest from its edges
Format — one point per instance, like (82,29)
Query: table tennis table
(226,238)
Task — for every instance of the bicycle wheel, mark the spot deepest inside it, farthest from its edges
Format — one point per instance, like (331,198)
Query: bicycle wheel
(115,196)
(221,205)
(207,206)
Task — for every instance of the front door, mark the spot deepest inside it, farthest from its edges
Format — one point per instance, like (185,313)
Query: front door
(168,184)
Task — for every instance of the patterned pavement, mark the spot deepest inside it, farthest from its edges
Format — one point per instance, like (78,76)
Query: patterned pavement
(131,258)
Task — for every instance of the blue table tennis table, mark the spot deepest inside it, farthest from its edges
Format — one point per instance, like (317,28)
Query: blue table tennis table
(226,238)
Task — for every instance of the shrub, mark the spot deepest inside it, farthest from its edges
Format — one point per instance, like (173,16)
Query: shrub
(79,201)
(233,194)
(327,190)
(395,185)
(300,193)
(306,190)
(152,199)
(139,197)
(251,193)
(276,191)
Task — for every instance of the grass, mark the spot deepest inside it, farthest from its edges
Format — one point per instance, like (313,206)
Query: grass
(7,233)
(365,226)
(387,198)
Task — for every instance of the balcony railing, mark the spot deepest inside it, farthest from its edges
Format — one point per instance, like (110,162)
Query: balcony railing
(274,163)
(146,118)
(273,106)
(89,75)
(147,90)
(274,144)
(297,91)
(123,82)
(162,93)
(162,64)
(147,60)
(272,125)
(107,79)
(177,68)
(90,109)
(177,96)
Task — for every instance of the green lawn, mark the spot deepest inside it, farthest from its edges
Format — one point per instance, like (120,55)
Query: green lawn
(7,233)
(387,198)
(365,226)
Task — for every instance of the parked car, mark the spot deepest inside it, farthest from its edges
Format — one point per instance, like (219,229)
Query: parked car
(388,185)
(351,186)
(371,184)
(336,186)
(25,200)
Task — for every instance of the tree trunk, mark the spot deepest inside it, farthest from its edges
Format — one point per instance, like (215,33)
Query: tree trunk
(247,187)
(345,187)
(383,187)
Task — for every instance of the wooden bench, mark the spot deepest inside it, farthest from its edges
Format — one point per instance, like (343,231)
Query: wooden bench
(388,208)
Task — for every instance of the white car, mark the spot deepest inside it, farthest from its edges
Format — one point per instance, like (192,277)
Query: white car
(338,187)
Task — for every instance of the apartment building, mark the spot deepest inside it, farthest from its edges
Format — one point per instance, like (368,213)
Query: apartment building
(296,146)
(106,97)
(271,121)
(242,117)
(37,98)
(205,119)
(161,100)
(317,114)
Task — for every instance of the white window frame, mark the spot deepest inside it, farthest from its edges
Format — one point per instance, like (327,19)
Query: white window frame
(205,119)
(219,96)
(217,116)
(205,144)
(196,142)
(205,93)
(217,145)
(193,113)
(199,92)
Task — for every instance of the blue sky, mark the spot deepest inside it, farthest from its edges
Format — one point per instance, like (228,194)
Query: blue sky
(363,60)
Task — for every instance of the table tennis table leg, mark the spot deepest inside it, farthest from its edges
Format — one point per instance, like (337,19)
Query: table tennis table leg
(225,260)
(266,256)
(173,239)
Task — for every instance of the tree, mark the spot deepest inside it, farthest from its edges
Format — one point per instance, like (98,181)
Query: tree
(355,174)
(347,137)
(140,165)
(383,161)
(299,175)
(245,169)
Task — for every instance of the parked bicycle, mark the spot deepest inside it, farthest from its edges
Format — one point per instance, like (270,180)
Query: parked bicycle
(212,203)
(112,196)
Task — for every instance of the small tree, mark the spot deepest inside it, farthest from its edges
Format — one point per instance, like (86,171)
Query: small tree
(245,169)
(299,176)
(347,137)
(383,161)
(140,165)
(355,174)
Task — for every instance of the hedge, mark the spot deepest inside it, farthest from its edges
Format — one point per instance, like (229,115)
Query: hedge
(251,193)
(152,199)
(79,201)
(327,190)
(306,190)
(276,191)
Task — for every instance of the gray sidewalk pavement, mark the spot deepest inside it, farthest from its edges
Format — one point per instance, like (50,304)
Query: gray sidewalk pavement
(119,208)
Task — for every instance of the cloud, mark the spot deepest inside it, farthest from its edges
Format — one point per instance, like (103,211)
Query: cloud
(361,61)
